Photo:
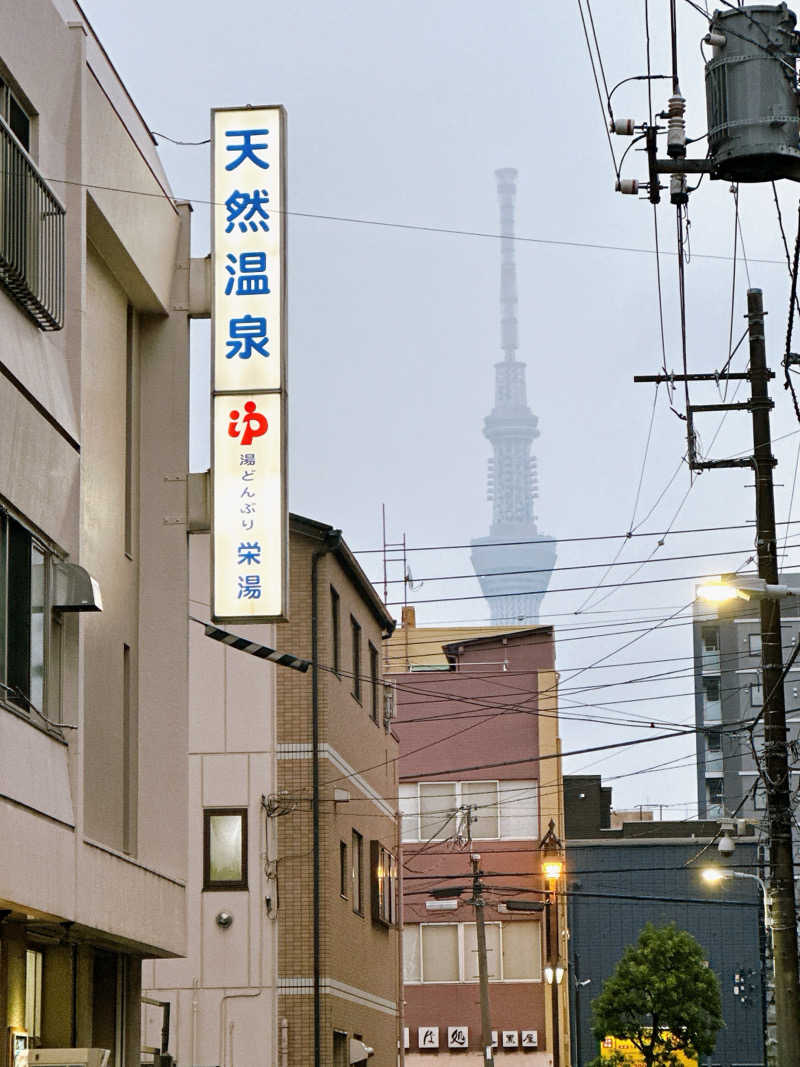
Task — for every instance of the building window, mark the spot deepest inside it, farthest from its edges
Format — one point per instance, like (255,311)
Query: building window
(435,811)
(756,695)
(24,593)
(225,848)
(711,690)
(31,223)
(357,850)
(33,996)
(15,116)
(448,952)
(710,638)
(336,651)
(383,877)
(715,795)
(356,638)
(374,688)
(343,878)
(341,1050)
(714,740)
(754,644)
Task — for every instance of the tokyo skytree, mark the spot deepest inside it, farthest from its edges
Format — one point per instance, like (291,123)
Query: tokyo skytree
(514,562)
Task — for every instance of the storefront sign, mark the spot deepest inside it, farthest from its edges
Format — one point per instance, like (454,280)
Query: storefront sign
(249,527)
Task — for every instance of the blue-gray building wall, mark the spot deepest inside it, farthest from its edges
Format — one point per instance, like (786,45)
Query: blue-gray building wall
(609,884)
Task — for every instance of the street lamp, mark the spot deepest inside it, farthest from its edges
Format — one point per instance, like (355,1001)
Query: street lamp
(729,587)
(552,850)
(715,875)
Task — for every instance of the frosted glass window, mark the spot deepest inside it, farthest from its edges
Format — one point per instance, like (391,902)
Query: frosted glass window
(225,848)
(437,805)
(519,810)
(482,799)
(492,952)
(409,809)
(411,958)
(440,952)
(522,950)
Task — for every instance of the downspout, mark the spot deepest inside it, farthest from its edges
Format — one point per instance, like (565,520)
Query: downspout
(332,542)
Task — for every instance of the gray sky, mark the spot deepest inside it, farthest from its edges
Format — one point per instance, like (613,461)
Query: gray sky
(400,113)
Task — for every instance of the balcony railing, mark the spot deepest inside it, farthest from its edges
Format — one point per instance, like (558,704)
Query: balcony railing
(31,236)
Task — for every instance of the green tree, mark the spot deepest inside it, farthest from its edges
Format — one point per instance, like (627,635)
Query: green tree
(662,997)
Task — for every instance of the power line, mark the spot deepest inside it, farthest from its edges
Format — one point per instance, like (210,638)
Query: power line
(386,224)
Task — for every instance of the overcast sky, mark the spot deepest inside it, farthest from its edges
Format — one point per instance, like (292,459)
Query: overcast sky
(399,113)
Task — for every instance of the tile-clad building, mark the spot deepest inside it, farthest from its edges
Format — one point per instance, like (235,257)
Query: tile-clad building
(359,952)
(473,722)
(619,880)
(94,372)
(728,690)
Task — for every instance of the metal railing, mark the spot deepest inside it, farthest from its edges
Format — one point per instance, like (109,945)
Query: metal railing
(31,236)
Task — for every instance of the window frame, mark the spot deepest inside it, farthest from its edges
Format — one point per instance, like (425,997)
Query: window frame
(501,793)
(383,882)
(355,637)
(374,676)
(503,927)
(757,694)
(218,885)
(357,871)
(18,628)
(336,635)
(343,869)
(754,639)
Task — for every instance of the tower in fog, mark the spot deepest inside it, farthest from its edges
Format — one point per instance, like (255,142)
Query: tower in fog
(514,561)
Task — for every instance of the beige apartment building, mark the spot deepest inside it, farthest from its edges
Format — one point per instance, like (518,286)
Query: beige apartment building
(94,256)
(258,987)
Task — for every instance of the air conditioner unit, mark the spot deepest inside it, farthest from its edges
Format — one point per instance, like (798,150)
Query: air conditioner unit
(63,1057)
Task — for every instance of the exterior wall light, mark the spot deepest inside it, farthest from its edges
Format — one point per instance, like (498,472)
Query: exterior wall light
(554,973)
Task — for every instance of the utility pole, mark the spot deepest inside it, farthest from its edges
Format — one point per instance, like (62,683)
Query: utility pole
(483,974)
(775,765)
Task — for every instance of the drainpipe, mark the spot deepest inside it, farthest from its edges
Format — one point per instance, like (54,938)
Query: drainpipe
(332,542)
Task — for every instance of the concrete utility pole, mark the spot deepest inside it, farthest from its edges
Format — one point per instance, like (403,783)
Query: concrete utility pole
(775,764)
(483,974)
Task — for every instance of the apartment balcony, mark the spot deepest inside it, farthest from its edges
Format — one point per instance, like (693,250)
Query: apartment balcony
(31,236)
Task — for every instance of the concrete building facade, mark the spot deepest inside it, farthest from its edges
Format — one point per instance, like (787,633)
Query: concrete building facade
(245,993)
(94,268)
(728,690)
(480,773)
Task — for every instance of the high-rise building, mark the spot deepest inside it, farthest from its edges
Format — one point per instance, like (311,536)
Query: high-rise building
(728,694)
(513,563)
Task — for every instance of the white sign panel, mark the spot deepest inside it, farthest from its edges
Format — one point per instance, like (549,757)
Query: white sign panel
(530,1038)
(458,1037)
(249,530)
(510,1039)
(428,1036)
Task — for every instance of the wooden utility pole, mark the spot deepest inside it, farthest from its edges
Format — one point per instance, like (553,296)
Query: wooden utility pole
(483,972)
(774,768)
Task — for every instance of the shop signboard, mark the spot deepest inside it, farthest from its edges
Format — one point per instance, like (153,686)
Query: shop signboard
(632,1057)
(249,558)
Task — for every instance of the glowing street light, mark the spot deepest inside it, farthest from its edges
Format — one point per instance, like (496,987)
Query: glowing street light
(727,587)
(715,875)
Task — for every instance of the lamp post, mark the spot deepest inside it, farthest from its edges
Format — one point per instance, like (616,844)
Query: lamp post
(715,875)
(552,851)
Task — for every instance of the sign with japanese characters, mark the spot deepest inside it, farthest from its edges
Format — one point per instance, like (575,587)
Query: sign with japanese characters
(428,1036)
(458,1037)
(249,528)
(616,1047)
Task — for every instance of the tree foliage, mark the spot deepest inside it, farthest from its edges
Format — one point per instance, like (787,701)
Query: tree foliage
(662,997)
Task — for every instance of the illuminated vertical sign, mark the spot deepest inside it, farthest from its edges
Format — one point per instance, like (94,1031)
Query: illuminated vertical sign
(249,557)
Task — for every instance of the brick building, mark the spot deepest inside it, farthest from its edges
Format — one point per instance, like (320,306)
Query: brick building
(475,712)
